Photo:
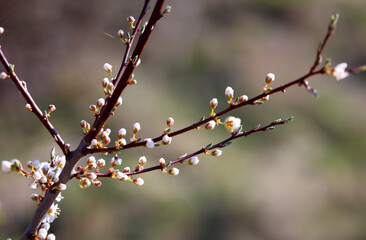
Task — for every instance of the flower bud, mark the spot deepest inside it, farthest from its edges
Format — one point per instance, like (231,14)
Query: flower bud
(119,102)
(97,183)
(216,153)
(42,234)
(51,237)
(84,182)
(100,102)
(270,78)
(90,160)
(1,30)
(121,34)
(122,133)
(142,161)
(210,125)
(46,226)
(170,122)
(122,142)
(6,166)
(229,92)
(130,19)
(232,123)
(3,75)
(93,108)
(136,128)
(126,170)
(166,139)
(28,107)
(243,98)
(52,108)
(193,161)
(149,143)
(91,175)
(36,176)
(213,103)
(101,163)
(105,82)
(107,67)
(162,161)
(116,161)
(173,171)
(138,181)
(61,187)
(94,143)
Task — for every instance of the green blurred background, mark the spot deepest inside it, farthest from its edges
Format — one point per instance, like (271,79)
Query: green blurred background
(305,180)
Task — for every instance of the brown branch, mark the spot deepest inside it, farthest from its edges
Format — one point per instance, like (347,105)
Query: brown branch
(123,77)
(221,144)
(28,98)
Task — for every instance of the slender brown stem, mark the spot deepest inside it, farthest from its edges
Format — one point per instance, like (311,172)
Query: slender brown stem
(221,144)
(28,98)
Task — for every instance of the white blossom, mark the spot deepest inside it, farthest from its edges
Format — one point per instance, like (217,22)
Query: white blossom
(42,234)
(138,181)
(6,166)
(193,161)
(149,143)
(51,237)
(142,161)
(216,153)
(340,71)
(232,123)
(174,171)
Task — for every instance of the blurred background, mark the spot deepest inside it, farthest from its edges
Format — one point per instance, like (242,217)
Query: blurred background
(305,180)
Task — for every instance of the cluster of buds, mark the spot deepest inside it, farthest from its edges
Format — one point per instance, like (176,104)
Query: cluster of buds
(108,87)
(42,233)
(229,93)
(121,140)
(89,178)
(95,109)
(85,126)
(44,175)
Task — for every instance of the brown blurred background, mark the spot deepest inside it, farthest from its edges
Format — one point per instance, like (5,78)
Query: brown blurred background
(305,180)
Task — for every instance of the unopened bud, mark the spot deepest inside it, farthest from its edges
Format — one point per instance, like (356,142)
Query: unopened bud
(28,107)
(193,161)
(142,161)
(243,98)
(214,103)
(210,125)
(270,78)
(121,34)
(122,133)
(136,128)
(138,181)
(107,67)
(3,75)
(105,82)
(52,108)
(170,122)
(1,30)
(119,102)
(174,171)
(100,102)
(229,92)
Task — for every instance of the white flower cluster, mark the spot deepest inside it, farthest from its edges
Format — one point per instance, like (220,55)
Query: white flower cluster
(43,233)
